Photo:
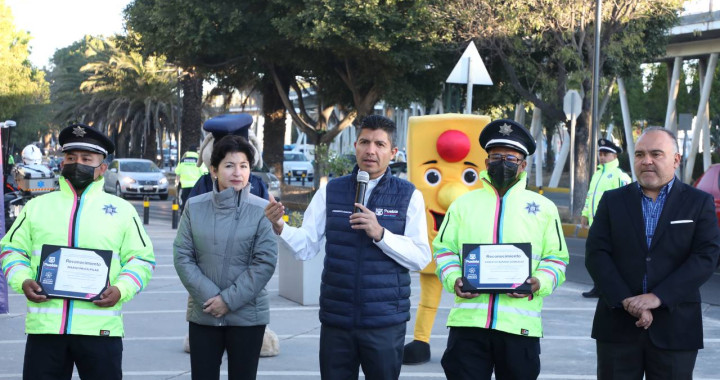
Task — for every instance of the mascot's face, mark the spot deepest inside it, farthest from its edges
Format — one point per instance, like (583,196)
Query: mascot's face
(444,160)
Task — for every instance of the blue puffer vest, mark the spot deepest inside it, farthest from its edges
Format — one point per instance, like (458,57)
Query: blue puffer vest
(361,286)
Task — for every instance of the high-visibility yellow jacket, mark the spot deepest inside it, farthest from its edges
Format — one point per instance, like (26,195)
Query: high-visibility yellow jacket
(95,220)
(187,171)
(607,177)
(483,217)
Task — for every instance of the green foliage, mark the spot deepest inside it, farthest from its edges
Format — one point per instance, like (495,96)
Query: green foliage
(363,51)
(33,122)
(295,219)
(101,82)
(20,83)
(340,165)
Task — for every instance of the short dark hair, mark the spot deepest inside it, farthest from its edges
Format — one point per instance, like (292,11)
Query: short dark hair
(230,144)
(375,122)
(668,132)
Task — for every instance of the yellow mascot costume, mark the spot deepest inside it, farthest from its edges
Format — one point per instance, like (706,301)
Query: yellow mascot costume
(443,162)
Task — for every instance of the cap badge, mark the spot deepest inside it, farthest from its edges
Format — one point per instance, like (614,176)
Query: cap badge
(79,131)
(505,129)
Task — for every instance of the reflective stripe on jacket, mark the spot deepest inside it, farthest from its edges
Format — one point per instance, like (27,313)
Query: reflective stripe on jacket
(482,217)
(607,177)
(93,220)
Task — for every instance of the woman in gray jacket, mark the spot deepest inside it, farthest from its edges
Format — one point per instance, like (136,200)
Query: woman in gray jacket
(225,253)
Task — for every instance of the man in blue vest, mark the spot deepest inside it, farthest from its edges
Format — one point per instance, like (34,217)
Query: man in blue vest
(364,296)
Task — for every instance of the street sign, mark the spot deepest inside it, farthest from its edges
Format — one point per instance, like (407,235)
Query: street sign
(572,104)
(470,64)
(470,70)
(684,122)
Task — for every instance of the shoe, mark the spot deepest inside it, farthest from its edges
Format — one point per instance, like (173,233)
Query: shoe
(416,352)
(592,293)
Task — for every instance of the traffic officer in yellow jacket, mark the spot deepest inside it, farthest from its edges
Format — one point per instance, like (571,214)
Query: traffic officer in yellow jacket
(608,176)
(500,331)
(84,330)
(188,173)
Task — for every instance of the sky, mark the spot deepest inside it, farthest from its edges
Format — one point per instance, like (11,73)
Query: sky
(54,24)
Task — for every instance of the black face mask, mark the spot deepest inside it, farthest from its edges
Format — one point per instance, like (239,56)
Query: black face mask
(502,173)
(79,175)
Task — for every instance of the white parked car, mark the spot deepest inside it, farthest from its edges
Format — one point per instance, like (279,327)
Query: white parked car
(135,176)
(297,165)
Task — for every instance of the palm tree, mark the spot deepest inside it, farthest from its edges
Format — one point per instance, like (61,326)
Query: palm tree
(130,97)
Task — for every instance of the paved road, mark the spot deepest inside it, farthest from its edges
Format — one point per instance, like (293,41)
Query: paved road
(155,327)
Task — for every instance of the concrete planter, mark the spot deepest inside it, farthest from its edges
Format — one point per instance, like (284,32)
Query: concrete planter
(300,280)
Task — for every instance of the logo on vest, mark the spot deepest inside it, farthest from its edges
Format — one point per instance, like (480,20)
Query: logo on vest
(385,212)
(524,332)
(104,332)
(532,208)
(110,209)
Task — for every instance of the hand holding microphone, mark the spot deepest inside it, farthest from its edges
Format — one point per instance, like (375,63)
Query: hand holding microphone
(362,181)
(363,218)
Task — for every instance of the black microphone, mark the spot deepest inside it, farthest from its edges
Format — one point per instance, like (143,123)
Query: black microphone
(362,181)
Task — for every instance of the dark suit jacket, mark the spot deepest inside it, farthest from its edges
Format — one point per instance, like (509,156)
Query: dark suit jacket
(681,257)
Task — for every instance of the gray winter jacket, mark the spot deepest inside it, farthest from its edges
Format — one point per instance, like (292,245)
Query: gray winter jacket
(225,245)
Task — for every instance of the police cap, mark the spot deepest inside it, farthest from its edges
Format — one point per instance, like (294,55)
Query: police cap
(608,146)
(229,124)
(86,138)
(509,134)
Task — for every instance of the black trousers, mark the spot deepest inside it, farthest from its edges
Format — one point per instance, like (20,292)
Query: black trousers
(626,361)
(184,194)
(473,353)
(51,357)
(208,343)
(379,352)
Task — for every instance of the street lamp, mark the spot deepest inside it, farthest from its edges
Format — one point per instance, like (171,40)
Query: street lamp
(7,124)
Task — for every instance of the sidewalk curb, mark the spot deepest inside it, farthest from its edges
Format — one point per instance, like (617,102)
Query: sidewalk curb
(574,231)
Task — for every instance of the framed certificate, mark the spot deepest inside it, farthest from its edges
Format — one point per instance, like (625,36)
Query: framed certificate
(497,268)
(74,273)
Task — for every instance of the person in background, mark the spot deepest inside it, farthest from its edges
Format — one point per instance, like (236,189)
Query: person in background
(500,332)
(61,332)
(370,249)
(608,176)
(4,302)
(217,128)
(187,173)
(651,246)
(229,306)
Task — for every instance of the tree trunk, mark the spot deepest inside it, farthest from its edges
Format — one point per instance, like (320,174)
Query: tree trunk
(135,150)
(274,128)
(150,151)
(122,142)
(321,163)
(582,142)
(191,119)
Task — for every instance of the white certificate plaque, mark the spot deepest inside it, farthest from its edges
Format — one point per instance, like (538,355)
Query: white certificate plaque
(76,273)
(496,268)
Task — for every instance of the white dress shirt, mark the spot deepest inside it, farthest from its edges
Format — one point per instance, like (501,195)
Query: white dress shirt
(411,250)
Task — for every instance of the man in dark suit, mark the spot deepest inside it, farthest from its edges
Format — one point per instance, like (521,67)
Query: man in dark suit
(652,245)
